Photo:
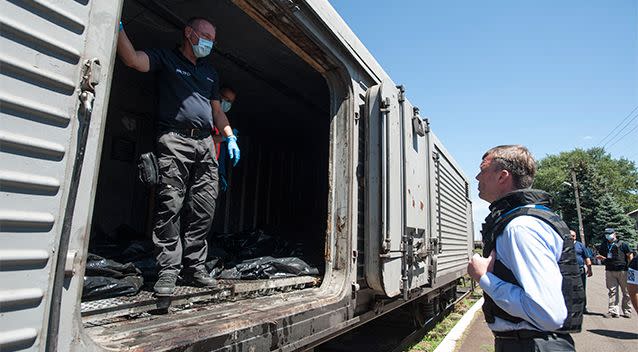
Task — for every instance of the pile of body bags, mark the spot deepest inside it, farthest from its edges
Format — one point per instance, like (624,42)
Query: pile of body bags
(123,268)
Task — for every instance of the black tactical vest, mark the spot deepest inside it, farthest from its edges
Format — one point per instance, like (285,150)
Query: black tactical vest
(618,260)
(502,212)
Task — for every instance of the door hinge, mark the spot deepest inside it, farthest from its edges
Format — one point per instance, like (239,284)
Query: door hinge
(91,72)
(69,265)
(401,89)
(419,126)
(385,105)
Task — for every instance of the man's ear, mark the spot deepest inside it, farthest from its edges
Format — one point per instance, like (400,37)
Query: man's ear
(504,176)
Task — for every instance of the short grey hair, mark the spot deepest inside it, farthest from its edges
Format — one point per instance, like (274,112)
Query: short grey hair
(517,160)
(195,21)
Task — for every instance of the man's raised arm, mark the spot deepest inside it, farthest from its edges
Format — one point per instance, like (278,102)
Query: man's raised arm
(137,60)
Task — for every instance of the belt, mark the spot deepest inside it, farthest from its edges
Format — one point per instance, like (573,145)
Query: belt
(522,334)
(197,133)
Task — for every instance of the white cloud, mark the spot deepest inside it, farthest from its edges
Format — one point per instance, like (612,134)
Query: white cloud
(588,138)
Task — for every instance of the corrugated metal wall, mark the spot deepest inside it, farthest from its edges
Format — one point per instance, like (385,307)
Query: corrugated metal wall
(452,221)
(42,45)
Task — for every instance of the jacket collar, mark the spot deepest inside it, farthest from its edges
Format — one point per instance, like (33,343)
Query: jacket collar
(520,197)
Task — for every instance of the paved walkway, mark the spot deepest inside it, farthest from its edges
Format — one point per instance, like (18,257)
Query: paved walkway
(599,334)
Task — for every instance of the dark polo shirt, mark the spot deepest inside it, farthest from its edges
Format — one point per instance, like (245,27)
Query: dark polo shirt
(184,90)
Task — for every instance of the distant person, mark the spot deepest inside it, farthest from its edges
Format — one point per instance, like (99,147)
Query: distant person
(615,255)
(526,252)
(632,282)
(228,96)
(583,257)
(592,249)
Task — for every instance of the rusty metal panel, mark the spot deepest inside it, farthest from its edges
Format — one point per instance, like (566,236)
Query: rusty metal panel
(104,311)
(384,190)
(416,194)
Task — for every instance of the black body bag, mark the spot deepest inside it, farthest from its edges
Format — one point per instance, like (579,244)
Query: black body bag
(148,169)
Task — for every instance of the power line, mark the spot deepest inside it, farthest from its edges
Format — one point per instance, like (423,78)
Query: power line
(625,135)
(619,131)
(618,125)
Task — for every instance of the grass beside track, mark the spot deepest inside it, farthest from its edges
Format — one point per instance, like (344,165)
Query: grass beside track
(434,337)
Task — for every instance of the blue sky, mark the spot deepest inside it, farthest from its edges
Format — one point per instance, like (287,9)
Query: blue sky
(552,75)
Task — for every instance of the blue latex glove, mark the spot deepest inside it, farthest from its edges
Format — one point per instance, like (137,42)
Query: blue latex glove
(223,184)
(233,149)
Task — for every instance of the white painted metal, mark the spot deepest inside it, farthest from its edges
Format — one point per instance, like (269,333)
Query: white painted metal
(41,55)
(416,195)
(383,267)
(389,161)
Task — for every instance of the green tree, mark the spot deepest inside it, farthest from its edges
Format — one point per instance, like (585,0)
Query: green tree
(608,190)
(600,209)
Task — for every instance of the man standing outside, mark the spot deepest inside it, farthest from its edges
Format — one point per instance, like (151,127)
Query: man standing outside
(615,255)
(188,104)
(583,257)
(527,251)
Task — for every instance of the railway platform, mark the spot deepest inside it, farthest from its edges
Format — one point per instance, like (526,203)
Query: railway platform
(598,333)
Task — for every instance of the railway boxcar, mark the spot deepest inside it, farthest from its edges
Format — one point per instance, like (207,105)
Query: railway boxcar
(368,191)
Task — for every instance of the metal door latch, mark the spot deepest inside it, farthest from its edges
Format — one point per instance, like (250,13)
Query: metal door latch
(420,126)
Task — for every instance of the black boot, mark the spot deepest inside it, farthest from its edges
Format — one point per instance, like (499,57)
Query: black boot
(165,285)
(200,278)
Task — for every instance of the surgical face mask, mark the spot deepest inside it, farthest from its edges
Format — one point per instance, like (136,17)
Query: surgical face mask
(609,236)
(226,105)
(203,47)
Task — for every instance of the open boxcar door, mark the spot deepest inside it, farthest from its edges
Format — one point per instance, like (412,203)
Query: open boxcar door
(47,96)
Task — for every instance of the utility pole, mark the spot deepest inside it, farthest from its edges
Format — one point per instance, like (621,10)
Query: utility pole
(580,217)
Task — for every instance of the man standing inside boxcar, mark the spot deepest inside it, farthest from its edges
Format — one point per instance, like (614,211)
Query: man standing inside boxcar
(188,104)
(527,251)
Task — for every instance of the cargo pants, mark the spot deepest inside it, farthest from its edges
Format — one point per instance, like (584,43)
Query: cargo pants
(614,279)
(185,201)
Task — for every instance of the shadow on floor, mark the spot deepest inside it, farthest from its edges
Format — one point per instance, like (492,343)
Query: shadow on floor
(615,334)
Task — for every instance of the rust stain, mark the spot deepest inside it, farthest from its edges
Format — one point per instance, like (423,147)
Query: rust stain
(280,25)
